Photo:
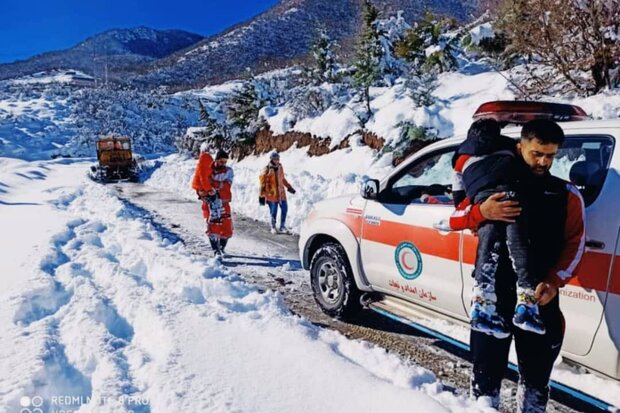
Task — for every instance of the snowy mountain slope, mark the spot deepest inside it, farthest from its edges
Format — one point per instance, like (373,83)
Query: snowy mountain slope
(274,39)
(32,124)
(121,49)
(104,310)
(43,117)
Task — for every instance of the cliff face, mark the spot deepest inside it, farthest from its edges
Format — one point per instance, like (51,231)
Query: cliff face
(266,142)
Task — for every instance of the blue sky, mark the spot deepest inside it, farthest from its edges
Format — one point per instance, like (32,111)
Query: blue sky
(31,27)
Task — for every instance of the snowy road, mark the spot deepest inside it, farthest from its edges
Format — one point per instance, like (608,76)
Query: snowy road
(272,262)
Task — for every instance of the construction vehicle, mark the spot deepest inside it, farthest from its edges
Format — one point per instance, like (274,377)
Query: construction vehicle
(115,161)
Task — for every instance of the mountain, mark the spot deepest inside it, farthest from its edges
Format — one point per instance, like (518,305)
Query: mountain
(119,49)
(280,36)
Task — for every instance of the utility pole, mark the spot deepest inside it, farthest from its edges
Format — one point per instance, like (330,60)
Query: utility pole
(106,66)
(95,63)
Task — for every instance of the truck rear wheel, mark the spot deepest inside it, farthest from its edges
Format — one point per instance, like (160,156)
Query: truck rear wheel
(332,282)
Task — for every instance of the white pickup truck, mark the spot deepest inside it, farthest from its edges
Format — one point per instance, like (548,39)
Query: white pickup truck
(386,241)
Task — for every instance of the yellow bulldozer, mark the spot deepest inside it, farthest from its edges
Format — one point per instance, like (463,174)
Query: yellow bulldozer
(115,161)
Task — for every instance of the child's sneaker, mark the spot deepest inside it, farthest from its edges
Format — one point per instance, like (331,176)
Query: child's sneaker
(284,230)
(274,230)
(484,318)
(526,315)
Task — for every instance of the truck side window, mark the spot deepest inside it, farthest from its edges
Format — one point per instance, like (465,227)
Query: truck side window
(425,181)
(584,160)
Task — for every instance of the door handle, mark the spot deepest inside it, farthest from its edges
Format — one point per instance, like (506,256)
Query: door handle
(595,245)
(443,226)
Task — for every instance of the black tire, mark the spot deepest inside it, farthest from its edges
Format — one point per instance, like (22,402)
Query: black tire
(332,282)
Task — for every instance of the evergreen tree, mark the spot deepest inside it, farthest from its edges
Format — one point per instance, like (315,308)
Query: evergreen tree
(428,46)
(243,107)
(392,32)
(213,132)
(422,85)
(369,53)
(324,58)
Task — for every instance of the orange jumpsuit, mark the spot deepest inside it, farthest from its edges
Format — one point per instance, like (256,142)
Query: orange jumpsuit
(221,181)
(202,175)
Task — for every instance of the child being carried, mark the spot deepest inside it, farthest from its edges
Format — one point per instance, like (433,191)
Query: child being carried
(487,163)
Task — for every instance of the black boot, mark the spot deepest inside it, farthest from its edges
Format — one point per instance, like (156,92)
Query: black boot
(215,245)
(223,242)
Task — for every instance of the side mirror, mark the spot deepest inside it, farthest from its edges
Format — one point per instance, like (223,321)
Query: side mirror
(370,189)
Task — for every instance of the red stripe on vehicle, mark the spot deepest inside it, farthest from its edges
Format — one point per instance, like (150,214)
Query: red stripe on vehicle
(592,272)
(427,240)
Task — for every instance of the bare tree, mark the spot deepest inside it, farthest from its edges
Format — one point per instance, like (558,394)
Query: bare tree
(575,43)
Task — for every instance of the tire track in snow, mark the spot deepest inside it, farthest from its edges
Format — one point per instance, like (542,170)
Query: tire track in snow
(87,345)
(47,300)
(43,308)
(93,324)
(122,265)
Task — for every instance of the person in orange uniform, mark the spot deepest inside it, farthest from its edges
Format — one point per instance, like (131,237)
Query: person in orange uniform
(203,185)
(220,230)
(273,187)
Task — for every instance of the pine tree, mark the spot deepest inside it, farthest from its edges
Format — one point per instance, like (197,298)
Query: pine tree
(213,132)
(392,32)
(324,58)
(422,85)
(243,107)
(369,52)
(427,45)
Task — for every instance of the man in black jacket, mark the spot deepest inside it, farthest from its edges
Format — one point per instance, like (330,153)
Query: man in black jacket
(557,234)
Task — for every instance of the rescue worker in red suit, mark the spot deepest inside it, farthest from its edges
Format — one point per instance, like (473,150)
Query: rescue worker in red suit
(557,235)
(220,230)
(211,179)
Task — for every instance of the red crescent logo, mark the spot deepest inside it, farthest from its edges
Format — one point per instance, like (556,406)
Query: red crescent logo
(404,263)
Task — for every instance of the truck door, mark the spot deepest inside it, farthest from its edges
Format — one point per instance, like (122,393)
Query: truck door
(402,253)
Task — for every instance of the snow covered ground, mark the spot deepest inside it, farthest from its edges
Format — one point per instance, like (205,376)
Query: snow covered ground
(101,310)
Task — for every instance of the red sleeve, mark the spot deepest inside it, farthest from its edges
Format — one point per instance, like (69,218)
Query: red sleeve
(574,238)
(466,216)
(460,163)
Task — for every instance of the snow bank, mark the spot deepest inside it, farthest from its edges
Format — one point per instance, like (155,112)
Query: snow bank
(336,124)
(480,32)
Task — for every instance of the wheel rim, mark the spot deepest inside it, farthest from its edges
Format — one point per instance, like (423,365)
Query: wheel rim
(330,282)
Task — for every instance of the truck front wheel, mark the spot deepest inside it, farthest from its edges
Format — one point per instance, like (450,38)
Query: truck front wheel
(332,282)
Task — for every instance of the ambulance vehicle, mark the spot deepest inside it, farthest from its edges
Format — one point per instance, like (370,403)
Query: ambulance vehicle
(386,247)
